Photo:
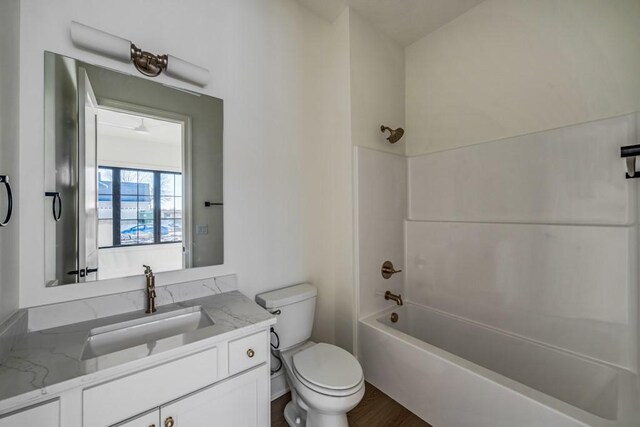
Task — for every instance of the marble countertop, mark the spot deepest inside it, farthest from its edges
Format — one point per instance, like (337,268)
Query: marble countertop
(43,360)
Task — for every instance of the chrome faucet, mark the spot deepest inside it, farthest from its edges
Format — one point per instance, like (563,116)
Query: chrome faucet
(151,289)
(397,298)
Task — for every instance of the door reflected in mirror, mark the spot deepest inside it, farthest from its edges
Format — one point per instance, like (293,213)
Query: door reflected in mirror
(138,166)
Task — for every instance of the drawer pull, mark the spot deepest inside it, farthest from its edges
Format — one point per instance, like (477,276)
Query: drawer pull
(250,353)
(168,422)
(152,425)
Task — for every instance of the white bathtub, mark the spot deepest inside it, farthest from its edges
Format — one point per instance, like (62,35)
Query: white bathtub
(453,372)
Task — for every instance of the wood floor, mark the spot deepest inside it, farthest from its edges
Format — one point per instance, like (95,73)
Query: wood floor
(376,410)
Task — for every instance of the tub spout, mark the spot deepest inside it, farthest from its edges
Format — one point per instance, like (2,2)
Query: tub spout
(397,298)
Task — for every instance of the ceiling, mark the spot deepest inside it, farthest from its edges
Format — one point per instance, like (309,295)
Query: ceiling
(404,21)
(123,126)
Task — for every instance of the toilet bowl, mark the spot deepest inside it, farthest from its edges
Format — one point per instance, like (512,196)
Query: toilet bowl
(325,381)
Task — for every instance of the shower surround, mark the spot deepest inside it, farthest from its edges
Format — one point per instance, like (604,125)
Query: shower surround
(533,238)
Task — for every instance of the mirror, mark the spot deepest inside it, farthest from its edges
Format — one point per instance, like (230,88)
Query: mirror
(133,175)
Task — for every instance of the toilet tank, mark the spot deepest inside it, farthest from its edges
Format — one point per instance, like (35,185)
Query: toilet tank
(294,307)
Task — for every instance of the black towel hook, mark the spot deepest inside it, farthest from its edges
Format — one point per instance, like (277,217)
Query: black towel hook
(56,196)
(4,179)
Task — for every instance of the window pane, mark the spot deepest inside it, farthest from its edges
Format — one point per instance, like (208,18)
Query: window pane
(178,185)
(178,204)
(171,230)
(105,206)
(105,233)
(128,207)
(128,182)
(145,232)
(145,209)
(177,230)
(129,232)
(105,174)
(145,184)
(167,182)
(167,207)
(105,181)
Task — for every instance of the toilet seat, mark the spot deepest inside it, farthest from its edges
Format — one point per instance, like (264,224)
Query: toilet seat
(328,369)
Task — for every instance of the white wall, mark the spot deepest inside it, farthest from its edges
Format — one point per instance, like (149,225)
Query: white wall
(339,207)
(126,261)
(9,132)
(512,67)
(275,65)
(139,153)
(381,211)
(377,86)
(535,235)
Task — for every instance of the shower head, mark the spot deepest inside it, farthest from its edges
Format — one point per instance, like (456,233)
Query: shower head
(395,134)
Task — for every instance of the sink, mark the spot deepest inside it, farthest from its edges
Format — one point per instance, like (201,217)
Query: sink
(119,336)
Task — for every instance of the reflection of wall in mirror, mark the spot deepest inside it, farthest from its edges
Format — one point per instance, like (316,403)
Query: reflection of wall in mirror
(60,161)
(126,261)
(206,115)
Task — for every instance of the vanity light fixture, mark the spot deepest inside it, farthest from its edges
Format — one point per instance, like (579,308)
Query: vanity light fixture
(149,64)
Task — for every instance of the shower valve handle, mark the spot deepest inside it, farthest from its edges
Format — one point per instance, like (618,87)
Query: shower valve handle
(388,270)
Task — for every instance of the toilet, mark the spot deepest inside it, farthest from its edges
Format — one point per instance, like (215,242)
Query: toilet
(325,381)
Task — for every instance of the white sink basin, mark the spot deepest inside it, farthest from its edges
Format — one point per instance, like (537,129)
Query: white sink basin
(119,336)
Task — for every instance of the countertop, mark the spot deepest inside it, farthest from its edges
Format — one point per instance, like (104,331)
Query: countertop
(49,360)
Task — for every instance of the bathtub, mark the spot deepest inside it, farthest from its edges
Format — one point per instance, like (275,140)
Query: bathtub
(454,372)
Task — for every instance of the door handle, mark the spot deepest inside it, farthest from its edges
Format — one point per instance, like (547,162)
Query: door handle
(56,197)
(4,179)
(80,272)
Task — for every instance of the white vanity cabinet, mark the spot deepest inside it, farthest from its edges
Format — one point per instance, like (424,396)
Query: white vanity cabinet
(225,385)
(108,403)
(219,382)
(149,419)
(241,401)
(44,415)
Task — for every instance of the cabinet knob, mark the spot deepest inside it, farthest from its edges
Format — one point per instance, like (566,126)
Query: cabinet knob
(250,353)
(152,425)
(168,422)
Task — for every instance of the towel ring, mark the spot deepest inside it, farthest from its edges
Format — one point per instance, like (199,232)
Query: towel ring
(4,179)
(56,196)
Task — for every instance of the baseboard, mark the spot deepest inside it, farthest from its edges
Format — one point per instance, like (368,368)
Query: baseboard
(279,385)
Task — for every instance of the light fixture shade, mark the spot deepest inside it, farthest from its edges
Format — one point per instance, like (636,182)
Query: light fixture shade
(89,38)
(183,70)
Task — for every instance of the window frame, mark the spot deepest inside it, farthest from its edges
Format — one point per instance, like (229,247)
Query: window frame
(116,218)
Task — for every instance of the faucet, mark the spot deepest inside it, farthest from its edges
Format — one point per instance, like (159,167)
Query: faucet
(151,289)
(397,298)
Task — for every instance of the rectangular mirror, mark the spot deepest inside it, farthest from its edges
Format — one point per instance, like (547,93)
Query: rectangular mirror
(133,175)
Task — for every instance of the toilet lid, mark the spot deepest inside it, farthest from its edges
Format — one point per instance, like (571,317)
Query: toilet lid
(328,366)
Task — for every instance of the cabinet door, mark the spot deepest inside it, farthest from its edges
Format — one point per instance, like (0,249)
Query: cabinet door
(241,401)
(45,415)
(148,419)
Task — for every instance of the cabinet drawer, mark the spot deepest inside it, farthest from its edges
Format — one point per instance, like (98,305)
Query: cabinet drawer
(117,400)
(44,415)
(247,352)
(149,419)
